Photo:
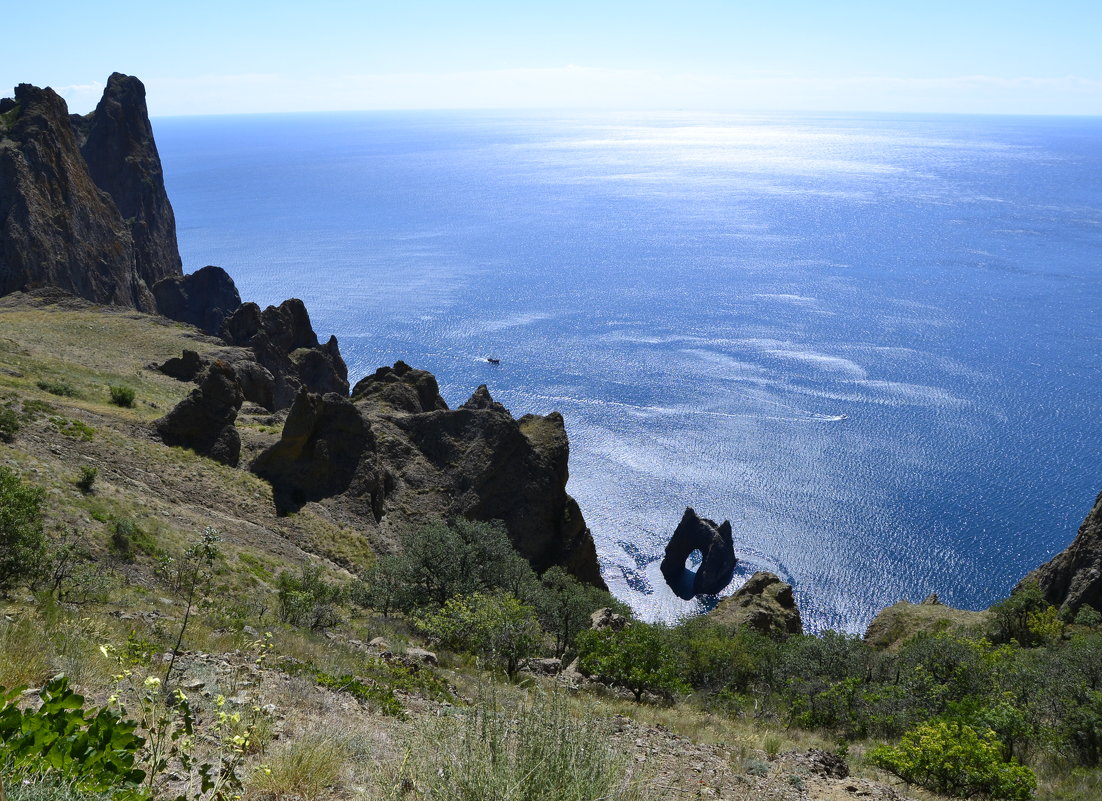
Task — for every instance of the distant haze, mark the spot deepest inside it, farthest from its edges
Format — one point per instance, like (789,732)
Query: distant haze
(246,57)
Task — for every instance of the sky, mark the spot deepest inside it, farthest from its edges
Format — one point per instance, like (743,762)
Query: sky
(329,55)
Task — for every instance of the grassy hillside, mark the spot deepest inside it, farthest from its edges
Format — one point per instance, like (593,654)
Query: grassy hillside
(300,671)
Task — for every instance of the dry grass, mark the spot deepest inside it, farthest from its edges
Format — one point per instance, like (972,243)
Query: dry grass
(25,653)
(303,768)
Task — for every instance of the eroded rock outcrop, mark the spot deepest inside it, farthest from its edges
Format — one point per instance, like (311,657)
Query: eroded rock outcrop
(204,420)
(57,227)
(410,460)
(326,446)
(1073,577)
(204,298)
(716,546)
(764,603)
(116,141)
(284,343)
(83,206)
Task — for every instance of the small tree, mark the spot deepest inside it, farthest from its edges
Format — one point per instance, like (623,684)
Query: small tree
(498,626)
(22,542)
(639,658)
(309,600)
(565,605)
(955,759)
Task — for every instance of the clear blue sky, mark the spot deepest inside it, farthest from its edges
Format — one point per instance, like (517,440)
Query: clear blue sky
(218,57)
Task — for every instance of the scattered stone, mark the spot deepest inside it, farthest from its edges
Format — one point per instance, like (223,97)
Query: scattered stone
(607,619)
(421,656)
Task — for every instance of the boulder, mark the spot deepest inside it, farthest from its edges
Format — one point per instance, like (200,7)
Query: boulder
(326,445)
(764,603)
(396,458)
(717,550)
(1073,577)
(204,298)
(183,368)
(204,420)
(402,388)
(607,619)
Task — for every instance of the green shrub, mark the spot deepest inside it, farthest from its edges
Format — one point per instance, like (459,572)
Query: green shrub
(955,759)
(1021,617)
(22,542)
(9,423)
(60,388)
(87,478)
(308,599)
(497,626)
(1088,616)
(121,395)
(128,539)
(640,658)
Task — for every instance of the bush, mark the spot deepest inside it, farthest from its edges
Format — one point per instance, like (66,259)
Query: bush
(22,542)
(92,748)
(309,600)
(62,389)
(9,424)
(640,658)
(496,626)
(87,479)
(955,759)
(1022,617)
(121,395)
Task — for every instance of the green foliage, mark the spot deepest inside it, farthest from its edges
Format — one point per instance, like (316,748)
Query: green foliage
(9,424)
(87,478)
(640,658)
(128,539)
(62,389)
(308,599)
(565,605)
(717,658)
(459,557)
(121,395)
(72,428)
(954,759)
(1020,617)
(22,542)
(497,626)
(93,748)
(1088,616)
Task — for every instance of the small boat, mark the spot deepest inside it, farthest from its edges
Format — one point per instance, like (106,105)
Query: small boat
(492,360)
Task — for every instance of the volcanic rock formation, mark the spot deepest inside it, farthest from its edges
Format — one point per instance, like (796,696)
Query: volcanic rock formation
(764,603)
(284,344)
(717,551)
(401,457)
(82,201)
(1073,577)
(204,420)
(204,298)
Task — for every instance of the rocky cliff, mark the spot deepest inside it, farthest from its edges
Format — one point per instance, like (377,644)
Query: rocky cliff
(396,455)
(82,200)
(1073,577)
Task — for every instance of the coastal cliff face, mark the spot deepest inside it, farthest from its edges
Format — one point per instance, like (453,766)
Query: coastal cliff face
(82,202)
(1073,577)
(116,141)
(397,455)
(83,209)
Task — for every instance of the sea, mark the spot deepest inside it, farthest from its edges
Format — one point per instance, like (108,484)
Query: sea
(871,342)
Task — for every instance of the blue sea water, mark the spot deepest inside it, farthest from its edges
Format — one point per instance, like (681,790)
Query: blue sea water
(871,342)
